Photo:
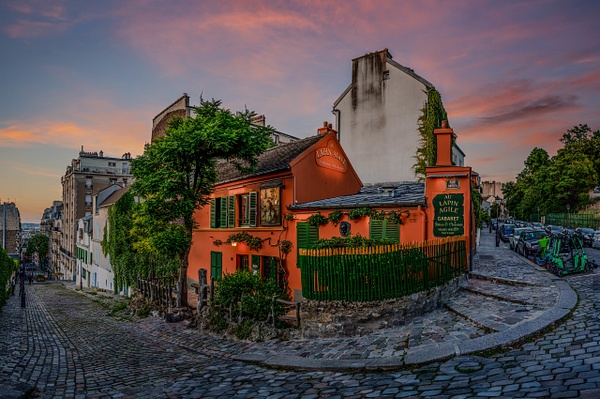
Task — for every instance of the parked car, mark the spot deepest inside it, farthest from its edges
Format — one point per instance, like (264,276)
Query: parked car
(537,225)
(596,242)
(506,231)
(512,241)
(587,236)
(527,244)
(554,229)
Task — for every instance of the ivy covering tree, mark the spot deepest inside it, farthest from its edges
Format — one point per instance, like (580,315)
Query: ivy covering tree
(555,184)
(177,172)
(432,115)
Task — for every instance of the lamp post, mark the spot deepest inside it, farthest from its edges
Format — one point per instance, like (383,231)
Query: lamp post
(569,215)
(497,216)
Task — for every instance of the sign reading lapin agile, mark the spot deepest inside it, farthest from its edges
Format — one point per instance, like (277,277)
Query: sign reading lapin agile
(449,219)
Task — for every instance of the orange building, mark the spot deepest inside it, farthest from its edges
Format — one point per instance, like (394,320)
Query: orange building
(253,219)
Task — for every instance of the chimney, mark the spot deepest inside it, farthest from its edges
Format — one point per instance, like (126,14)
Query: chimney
(327,128)
(259,120)
(444,137)
(101,153)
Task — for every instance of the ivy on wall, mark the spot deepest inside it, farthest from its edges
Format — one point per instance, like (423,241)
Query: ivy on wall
(432,115)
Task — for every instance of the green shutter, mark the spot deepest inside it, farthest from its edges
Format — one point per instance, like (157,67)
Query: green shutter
(231,211)
(376,229)
(253,210)
(380,229)
(223,212)
(216,265)
(392,230)
(213,213)
(306,235)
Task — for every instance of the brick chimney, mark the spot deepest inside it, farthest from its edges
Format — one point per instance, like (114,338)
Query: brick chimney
(444,137)
(327,127)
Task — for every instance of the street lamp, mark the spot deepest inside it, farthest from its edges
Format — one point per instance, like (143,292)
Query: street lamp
(497,216)
(569,217)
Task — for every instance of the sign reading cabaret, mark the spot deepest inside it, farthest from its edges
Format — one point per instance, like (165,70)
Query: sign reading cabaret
(449,219)
(330,157)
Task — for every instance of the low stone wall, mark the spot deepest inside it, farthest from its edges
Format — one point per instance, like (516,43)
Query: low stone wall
(321,319)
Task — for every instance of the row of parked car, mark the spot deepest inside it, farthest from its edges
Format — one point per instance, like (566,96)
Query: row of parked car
(523,236)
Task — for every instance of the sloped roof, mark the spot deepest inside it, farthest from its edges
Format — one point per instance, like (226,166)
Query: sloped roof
(273,160)
(112,197)
(377,195)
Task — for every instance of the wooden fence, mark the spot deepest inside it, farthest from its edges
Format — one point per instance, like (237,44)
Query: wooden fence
(160,290)
(379,273)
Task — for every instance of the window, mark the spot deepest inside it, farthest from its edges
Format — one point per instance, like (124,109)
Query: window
(380,229)
(88,200)
(112,164)
(112,181)
(242,262)
(307,235)
(247,209)
(89,183)
(269,269)
(222,212)
(216,265)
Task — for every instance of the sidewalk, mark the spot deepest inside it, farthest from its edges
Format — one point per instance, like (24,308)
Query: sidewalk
(507,300)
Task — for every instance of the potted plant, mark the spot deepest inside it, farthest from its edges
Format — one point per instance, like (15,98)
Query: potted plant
(40,278)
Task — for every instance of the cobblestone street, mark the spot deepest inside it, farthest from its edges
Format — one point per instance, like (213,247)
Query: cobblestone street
(66,346)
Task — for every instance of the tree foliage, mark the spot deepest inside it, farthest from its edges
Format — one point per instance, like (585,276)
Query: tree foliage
(38,244)
(177,172)
(554,184)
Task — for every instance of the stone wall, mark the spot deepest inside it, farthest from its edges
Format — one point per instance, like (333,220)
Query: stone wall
(350,319)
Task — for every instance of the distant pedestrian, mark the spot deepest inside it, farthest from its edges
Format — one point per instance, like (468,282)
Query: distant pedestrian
(30,278)
(13,283)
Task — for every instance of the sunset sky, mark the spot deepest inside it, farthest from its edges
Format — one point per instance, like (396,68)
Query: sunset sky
(512,74)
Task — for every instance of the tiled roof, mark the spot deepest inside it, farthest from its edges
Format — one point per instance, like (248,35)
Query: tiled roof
(377,195)
(273,160)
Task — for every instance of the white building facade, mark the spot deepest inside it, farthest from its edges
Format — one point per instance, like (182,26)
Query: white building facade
(377,118)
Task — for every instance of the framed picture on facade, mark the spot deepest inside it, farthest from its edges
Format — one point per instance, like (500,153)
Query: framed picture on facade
(270,206)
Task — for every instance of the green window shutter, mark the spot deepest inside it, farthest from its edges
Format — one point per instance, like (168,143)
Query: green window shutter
(223,212)
(392,230)
(376,229)
(231,211)
(306,235)
(213,213)
(253,208)
(216,265)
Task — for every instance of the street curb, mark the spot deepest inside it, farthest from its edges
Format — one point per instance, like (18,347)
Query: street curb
(567,300)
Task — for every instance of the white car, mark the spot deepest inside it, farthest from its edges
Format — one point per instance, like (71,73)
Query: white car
(512,241)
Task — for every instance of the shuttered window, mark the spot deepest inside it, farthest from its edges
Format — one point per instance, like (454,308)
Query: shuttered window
(222,212)
(306,235)
(380,229)
(248,209)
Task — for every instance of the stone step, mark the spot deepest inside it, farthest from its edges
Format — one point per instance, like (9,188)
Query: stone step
(521,294)
(491,313)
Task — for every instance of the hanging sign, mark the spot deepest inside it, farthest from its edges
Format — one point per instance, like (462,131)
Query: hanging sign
(331,157)
(449,218)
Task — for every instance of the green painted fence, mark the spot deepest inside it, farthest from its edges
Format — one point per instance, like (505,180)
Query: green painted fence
(572,220)
(379,273)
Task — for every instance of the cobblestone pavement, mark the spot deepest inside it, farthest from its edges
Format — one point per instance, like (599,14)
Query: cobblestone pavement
(66,346)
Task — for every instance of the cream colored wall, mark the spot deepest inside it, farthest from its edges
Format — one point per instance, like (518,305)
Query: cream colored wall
(380,135)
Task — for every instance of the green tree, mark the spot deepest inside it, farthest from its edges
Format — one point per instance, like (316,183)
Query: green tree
(176,174)
(38,244)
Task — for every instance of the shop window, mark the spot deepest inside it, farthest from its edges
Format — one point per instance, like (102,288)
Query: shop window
(380,229)
(216,265)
